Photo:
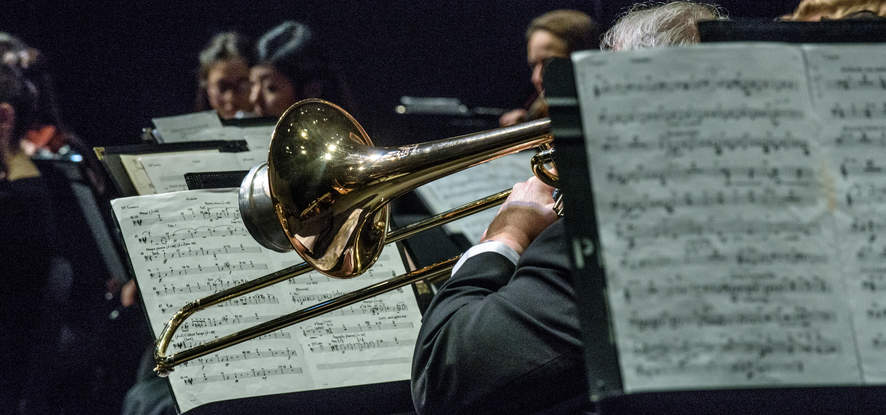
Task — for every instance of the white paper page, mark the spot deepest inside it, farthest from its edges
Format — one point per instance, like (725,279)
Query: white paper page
(137,174)
(186,245)
(472,184)
(714,218)
(849,86)
(167,171)
(197,126)
(258,138)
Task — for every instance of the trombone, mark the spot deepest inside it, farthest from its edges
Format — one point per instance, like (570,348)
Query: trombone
(325,192)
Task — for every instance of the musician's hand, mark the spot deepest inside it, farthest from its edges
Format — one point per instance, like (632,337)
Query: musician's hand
(512,117)
(526,212)
(128,294)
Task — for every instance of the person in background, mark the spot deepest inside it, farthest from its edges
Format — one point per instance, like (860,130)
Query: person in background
(292,64)
(30,256)
(47,136)
(817,10)
(555,34)
(502,334)
(223,76)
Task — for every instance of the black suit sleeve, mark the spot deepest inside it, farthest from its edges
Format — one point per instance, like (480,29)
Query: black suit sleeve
(499,338)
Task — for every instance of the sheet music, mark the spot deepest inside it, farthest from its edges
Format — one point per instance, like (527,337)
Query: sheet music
(849,85)
(472,184)
(166,172)
(715,218)
(186,245)
(156,178)
(137,174)
(197,126)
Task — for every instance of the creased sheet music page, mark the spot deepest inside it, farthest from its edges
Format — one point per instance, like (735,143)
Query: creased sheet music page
(472,184)
(186,245)
(715,226)
(849,85)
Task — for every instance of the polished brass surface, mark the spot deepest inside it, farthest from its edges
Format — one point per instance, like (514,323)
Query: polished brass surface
(330,190)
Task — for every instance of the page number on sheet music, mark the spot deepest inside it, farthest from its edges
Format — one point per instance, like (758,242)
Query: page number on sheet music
(582,248)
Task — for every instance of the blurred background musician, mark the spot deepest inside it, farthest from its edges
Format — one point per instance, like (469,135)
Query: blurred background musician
(555,34)
(223,76)
(817,10)
(502,335)
(292,64)
(30,262)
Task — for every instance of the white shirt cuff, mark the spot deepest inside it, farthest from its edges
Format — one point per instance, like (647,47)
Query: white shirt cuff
(489,246)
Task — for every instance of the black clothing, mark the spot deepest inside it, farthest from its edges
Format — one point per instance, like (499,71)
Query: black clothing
(500,338)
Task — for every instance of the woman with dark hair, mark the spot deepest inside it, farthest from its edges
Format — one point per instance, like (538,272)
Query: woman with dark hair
(223,75)
(292,64)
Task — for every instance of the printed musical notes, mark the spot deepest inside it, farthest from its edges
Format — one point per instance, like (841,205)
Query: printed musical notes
(747,86)
(714,205)
(187,245)
(848,85)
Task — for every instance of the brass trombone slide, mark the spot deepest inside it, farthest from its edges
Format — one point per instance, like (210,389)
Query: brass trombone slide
(329,190)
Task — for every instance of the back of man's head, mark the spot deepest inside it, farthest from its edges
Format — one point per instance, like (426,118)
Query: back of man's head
(657,25)
(576,28)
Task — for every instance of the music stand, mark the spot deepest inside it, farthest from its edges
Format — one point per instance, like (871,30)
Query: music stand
(605,382)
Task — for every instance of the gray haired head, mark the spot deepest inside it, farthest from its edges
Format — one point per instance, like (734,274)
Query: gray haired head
(651,25)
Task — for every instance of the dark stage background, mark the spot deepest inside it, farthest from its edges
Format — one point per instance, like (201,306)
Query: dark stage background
(119,64)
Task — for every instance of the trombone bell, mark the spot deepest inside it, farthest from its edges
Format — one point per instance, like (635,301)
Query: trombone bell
(330,188)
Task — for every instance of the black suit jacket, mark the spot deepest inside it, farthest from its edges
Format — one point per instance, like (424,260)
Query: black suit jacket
(500,338)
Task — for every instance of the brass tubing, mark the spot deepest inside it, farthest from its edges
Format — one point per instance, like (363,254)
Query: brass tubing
(166,363)
(443,218)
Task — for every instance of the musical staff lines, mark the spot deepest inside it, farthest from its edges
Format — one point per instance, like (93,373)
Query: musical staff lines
(208,211)
(733,288)
(859,111)
(359,345)
(790,344)
(209,286)
(262,373)
(788,175)
(790,316)
(336,329)
(192,341)
(688,227)
(866,136)
(693,117)
(199,269)
(197,322)
(861,82)
(706,199)
(152,254)
(746,86)
(678,143)
(747,257)
(749,369)
(221,358)
(188,234)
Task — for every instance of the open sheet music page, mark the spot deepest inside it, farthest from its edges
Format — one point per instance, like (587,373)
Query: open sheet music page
(848,87)
(186,245)
(197,126)
(167,171)
(472,184)
(715,205)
